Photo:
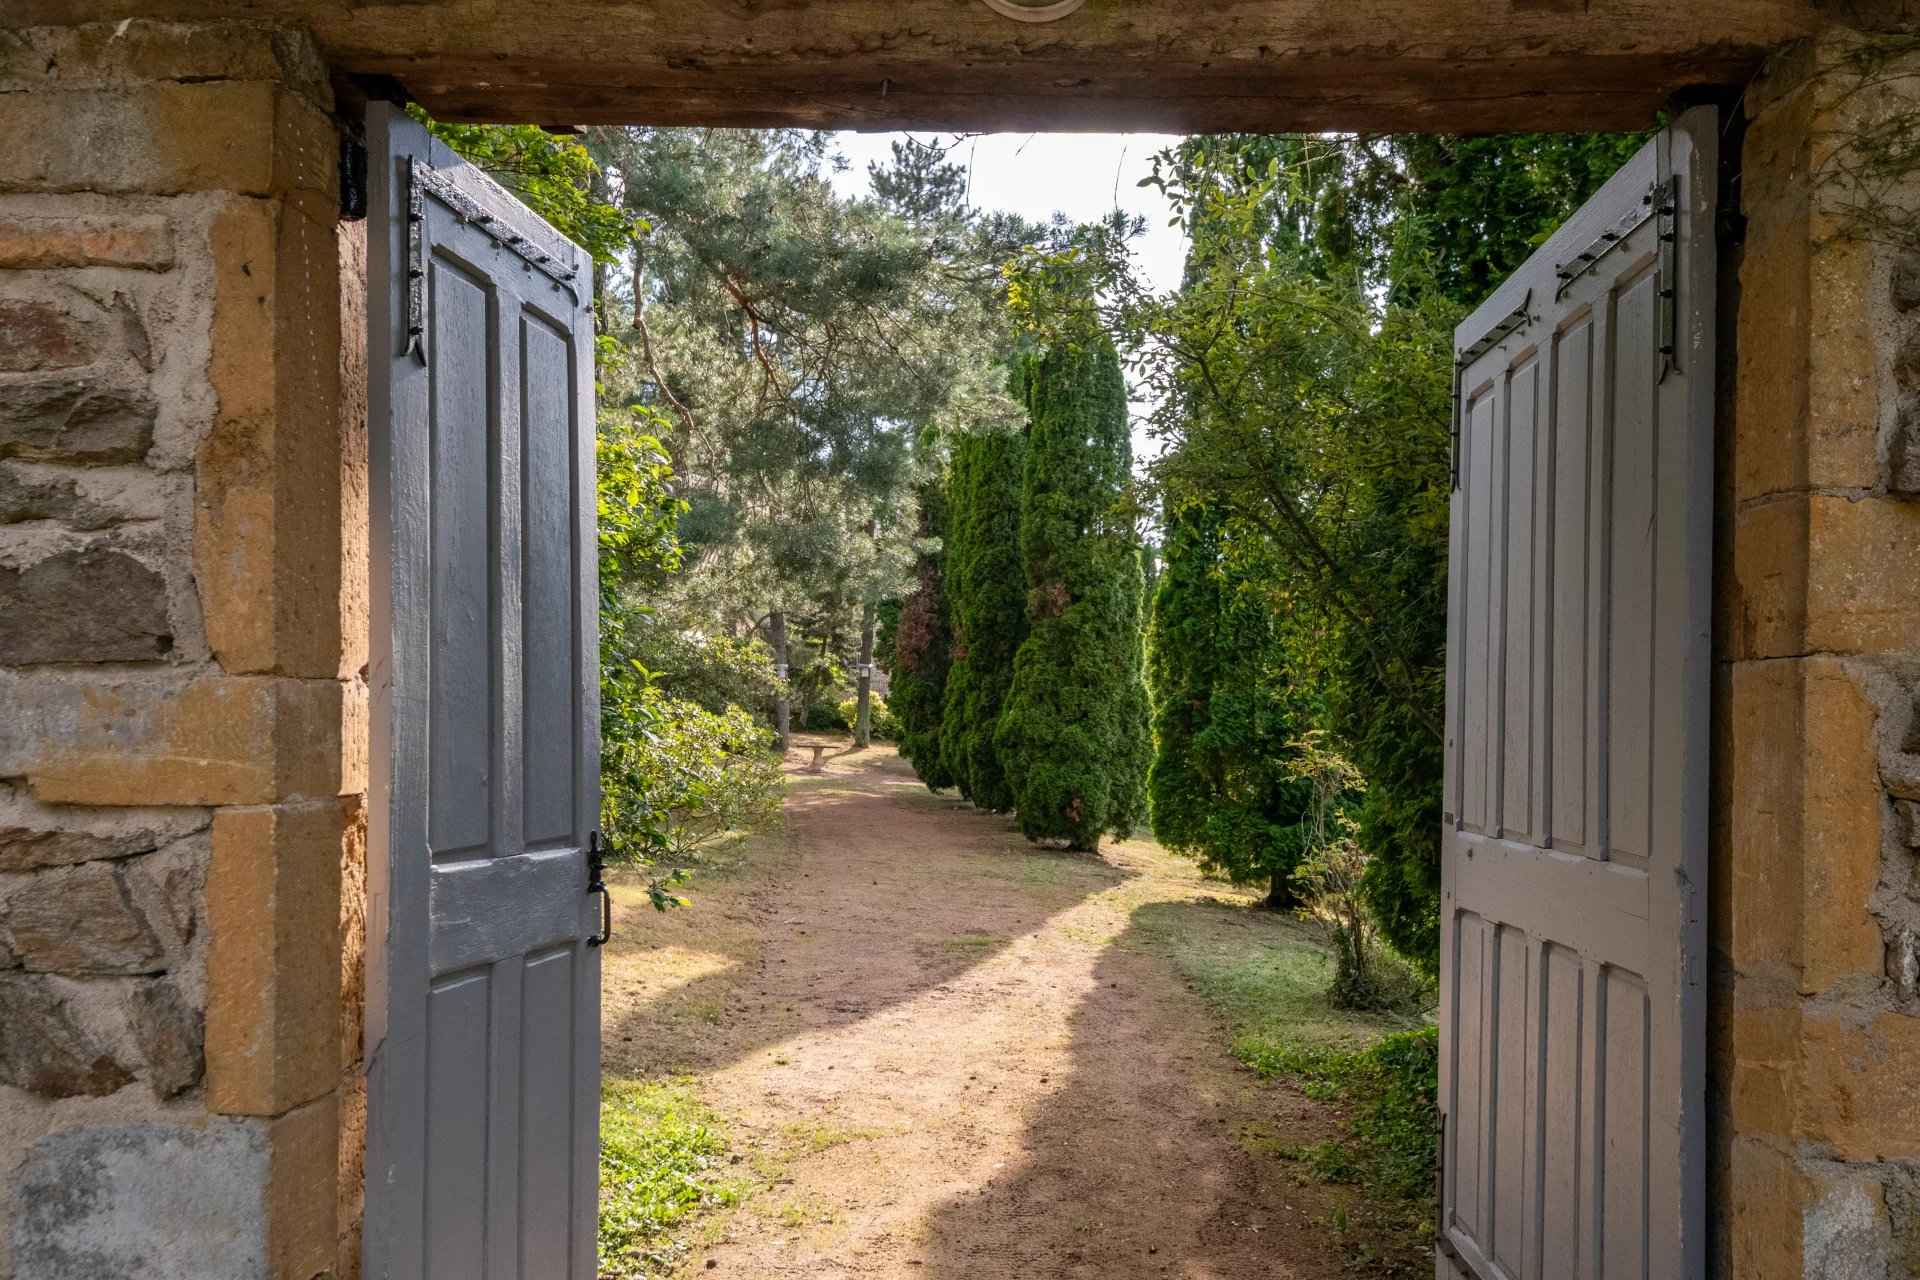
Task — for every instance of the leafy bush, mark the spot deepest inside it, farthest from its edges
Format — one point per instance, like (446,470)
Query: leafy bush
(660,1157)
(1331,883)
(674,775)
(816,686)
(882,725)
(716,671)
(699,774)
(826,717)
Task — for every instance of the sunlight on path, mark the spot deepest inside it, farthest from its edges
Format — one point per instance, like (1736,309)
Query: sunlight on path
(948,1054)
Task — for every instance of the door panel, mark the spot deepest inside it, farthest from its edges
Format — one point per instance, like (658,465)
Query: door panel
(483,992)
(1574,850)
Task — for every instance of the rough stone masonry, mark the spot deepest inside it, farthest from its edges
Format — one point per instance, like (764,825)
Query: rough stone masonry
(183,601)
(1816,886)
(182,632)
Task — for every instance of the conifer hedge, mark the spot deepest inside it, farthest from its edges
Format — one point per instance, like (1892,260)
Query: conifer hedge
(1073,734)
(922,649)
(987,605)
(1221,786)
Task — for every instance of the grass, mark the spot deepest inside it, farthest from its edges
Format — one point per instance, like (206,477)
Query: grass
(1269,980)
(1389,1090)
(662,1156)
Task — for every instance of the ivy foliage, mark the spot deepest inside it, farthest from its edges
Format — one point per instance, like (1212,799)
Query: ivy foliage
(1073,736)
(987,607)
(553,175)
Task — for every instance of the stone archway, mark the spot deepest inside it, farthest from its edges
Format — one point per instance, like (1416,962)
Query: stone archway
(182,530)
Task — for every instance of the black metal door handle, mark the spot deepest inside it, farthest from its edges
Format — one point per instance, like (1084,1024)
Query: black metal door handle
(596,883)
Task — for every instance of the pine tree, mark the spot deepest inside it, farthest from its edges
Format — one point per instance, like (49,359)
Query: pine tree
(987,606)
(922,649)
(1223,787)
(1071,736)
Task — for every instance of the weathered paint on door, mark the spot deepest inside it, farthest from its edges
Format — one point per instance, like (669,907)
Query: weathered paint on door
(1575,846)
(483,993)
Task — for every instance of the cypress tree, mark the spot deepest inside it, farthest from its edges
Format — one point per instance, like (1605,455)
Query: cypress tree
(1071,736)
(1182,669)
(987,606)
(922,649)
(1221,788)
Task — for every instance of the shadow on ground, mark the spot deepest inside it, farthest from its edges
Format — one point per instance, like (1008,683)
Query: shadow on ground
(921,889)
(1158,1156)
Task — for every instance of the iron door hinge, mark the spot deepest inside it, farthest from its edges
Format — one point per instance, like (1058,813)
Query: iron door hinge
(597,883)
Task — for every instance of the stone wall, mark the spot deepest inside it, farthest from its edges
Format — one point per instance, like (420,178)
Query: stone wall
(1816,890)
(182,637)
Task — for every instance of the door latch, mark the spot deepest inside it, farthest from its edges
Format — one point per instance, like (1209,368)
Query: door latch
(596,883)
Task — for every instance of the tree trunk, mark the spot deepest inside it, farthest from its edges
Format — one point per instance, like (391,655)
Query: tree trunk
(863,709)
(782,709)
(1280,894)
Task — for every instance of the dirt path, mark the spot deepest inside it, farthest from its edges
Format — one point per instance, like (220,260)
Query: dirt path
(953,1056)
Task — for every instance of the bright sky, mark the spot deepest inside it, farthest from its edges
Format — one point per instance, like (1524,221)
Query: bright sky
(1082,175)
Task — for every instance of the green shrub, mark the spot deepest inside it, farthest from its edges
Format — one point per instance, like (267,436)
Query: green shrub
(691,777)
(826,717)
(1222,788)
(988,608)
(881,724)
(661,1155)
(922,651)
(1392,1090)
(1074,735)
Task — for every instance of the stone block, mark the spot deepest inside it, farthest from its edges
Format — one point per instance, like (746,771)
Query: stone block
(351,1185)
(268,518)
(138,51)
(273,965)
(162,1202)
(91,605)
(1771,390)
(80,920)
(88,498)
(1863,577)
(47,1049)
(1766,785)
(302,1201)
(1845,1229)
(40,835)
(1762,1227)
(1904,285)
(353,933)
(1765,1056)
(249,137)
(39,243)
(170,739)
(1842,830)
(75,418)
(1859,1098)
(39,333)
(171,1036)
(1768,595)
(1827,574)
(1843,403)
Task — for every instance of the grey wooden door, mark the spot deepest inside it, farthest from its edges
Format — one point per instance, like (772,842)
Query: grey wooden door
(483,1031)
(1575,842)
